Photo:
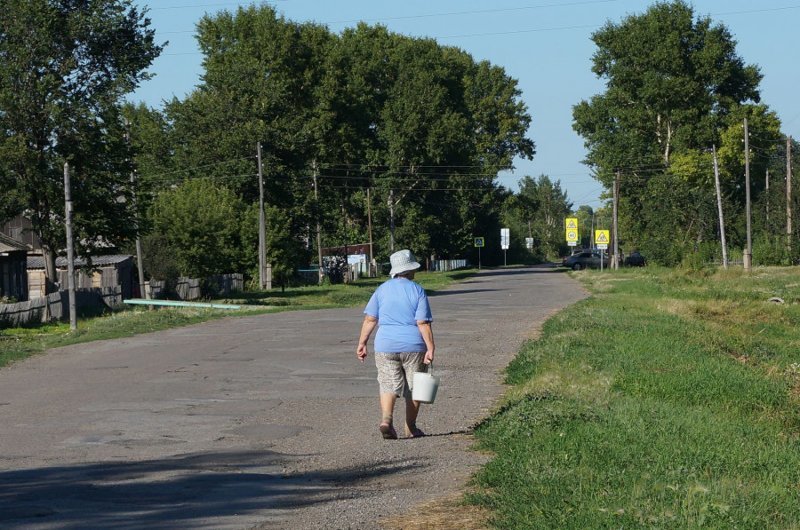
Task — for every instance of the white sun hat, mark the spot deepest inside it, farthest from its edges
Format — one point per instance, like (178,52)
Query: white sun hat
(403,261)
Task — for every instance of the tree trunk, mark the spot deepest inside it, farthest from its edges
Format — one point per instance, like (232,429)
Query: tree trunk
(50,272)
(50,277)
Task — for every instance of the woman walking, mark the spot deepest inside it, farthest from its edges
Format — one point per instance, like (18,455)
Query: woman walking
(404,343)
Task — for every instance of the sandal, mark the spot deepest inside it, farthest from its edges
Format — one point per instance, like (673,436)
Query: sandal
(416,432)
(388,432)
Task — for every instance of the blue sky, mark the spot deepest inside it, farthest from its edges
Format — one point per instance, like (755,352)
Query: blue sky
(544,44)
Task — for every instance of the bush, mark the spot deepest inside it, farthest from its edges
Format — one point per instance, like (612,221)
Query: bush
(704,255)
(771,250)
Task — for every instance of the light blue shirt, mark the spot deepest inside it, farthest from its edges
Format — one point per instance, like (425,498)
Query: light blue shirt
(398,304)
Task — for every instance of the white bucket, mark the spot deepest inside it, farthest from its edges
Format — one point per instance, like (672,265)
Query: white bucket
(425,386)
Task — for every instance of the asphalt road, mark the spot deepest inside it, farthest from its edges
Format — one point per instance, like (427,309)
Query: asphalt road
(255,422)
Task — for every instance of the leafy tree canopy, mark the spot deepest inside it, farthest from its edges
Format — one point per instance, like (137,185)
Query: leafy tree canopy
(675,87)
(64,67)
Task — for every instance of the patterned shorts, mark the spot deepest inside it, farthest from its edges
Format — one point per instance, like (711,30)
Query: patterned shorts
(396,371)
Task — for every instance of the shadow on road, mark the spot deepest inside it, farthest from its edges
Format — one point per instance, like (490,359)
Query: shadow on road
(449,433)
(178,492)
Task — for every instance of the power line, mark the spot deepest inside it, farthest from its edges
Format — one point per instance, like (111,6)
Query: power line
(515,32)
(194,6)
(473,12)
(205,166)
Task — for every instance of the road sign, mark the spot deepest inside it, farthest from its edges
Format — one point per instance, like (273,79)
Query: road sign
(571,223)
(602,238)
(505,238)
(529,243)
(572,235)
(479,242)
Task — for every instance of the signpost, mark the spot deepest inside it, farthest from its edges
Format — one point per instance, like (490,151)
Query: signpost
(571,226)
(479,243)
(601,239)
(505,239)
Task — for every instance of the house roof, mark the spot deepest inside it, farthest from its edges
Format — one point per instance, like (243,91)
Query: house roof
(37,262)
(9,244)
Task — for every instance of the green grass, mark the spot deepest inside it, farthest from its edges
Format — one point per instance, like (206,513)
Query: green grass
(666,400)
(19,343)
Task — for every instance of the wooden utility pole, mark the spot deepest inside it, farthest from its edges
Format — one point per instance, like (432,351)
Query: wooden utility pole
(748,253)
(766,192)
(615,221)
(391,221)
(789,194)
(139,266)
(319,229)
(719,208)
(73,313)
(369,228)
(264,275)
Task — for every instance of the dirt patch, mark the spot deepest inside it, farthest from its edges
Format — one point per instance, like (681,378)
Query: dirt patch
(447,513)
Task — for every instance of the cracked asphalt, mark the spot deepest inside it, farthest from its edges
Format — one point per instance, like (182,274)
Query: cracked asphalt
(264,421)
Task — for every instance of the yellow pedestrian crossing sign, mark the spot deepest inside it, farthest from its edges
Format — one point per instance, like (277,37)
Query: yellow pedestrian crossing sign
(602,238)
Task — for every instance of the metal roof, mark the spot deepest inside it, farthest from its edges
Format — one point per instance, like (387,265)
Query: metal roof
(9,244)
(37,262)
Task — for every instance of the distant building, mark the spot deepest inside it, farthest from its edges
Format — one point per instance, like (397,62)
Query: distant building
(112,270)
(21,229)
(13,272)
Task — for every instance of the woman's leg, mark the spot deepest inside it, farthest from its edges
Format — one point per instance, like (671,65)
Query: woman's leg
(390,378)
(387,407)
(412,410)
(413,363)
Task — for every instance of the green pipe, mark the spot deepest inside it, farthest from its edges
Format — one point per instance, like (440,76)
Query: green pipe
(172,303)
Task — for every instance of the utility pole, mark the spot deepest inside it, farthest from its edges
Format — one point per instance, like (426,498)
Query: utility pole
(748,253)
(319,229)
(140,268)
(719,208)
(391,220)
(789,194)
(766,192)
(73,313)
(264,282)
(369,228)
(615,221)
(142,286)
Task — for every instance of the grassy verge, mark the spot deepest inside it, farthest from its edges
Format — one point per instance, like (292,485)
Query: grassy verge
(666,400)
(18,343)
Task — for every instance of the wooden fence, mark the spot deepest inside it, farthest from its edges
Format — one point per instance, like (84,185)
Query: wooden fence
(33,312)
(196,288)
(98,299)
(444,265)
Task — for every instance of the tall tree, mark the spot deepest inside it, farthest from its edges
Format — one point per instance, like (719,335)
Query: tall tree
(64,68)
(539,209)
(201,225)
(369,109)
(672,84)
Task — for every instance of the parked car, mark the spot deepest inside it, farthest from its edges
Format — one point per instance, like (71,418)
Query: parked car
(586,259)
(635,260)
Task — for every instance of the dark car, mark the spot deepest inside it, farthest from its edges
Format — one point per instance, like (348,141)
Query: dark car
(583,260)
(635,260)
